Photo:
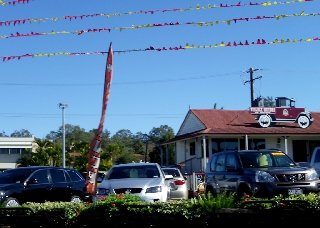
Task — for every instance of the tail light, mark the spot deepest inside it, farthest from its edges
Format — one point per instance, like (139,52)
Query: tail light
(179,182)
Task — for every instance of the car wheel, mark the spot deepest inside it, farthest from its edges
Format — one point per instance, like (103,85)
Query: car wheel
(75,199)
(211,192)
(265,120)
(11,202)
(244,192)
(303,121)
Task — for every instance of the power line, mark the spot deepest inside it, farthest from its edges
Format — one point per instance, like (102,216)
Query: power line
(123,83)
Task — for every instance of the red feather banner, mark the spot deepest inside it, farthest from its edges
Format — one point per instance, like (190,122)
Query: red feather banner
(95,145)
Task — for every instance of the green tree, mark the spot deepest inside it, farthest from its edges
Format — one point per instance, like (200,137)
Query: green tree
(158,136)
(26,159)
(21,133)
(3,134)
(127,157)
(268,102)
(80,162)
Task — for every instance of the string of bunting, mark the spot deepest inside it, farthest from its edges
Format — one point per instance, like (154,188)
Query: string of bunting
(198,7)
(229,21)
(2,3)
(187,46)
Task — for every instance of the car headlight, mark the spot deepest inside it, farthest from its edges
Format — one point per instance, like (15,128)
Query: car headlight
(312,175)
(2,193)
(103,191)
(262,176)
(153,189)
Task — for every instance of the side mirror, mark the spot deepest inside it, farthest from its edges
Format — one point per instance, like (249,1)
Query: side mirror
(32,181)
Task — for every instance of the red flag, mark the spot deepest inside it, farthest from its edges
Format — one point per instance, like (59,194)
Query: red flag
(95,145)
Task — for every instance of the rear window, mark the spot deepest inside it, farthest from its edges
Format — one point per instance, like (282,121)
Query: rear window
(173,172)
(136,171)
(75,175)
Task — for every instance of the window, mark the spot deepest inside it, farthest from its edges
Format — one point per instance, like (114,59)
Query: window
(317,157)
(15,151)
(4,151)
(220,166)
(192,148)
(213,164)
(58,175)
(41,176)
(253,144)
(74,175)
(231,161)
(218,145)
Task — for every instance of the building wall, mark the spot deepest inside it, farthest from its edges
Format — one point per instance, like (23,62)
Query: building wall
(8,160)
(191,124)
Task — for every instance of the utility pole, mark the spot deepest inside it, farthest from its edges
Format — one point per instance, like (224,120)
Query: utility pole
(63,106)
(251,70)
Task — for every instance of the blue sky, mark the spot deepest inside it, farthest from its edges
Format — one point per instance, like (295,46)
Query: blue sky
(151,88)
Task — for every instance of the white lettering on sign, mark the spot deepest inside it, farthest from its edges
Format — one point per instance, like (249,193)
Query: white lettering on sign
(262,110)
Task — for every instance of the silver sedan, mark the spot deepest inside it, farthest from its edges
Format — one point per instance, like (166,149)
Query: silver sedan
(145,180)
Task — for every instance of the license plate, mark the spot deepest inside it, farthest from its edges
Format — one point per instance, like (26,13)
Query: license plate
(295,191)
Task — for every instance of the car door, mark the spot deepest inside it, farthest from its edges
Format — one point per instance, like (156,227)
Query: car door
(220,174)
(232,173)
(61,185)
(37,187)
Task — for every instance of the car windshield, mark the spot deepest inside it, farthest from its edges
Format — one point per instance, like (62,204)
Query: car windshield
(265,159)
(14,176)
(135,171)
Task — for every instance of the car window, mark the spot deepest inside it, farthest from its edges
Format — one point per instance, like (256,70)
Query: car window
(41,176)
(58,175)
(317,156)
(74,175)
(173,172)
(220,165)
(231,161)
(136,171)
(213,163)
(14,176)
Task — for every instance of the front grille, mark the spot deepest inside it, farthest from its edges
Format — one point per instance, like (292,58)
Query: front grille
(291,177)
(127,190)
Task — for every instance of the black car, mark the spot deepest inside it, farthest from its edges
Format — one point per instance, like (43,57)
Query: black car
(40,184)
(259,173)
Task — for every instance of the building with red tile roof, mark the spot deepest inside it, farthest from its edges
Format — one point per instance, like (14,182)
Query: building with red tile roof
(213,130)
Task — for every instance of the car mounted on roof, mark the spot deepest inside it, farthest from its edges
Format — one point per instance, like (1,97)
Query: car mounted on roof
(284,112)
(41,183)
(259,173)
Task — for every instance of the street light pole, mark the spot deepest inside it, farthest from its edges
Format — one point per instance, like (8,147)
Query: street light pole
(63,106)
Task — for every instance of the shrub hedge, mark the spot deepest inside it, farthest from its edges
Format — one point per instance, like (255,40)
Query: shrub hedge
(203,210)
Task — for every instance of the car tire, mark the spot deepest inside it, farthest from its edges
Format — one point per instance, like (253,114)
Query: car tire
(265,121)
(243,191)
(11,202)
(76,199)
(304,121)
(211,192)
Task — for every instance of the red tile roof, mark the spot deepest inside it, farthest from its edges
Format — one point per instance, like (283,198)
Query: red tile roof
(220,121)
